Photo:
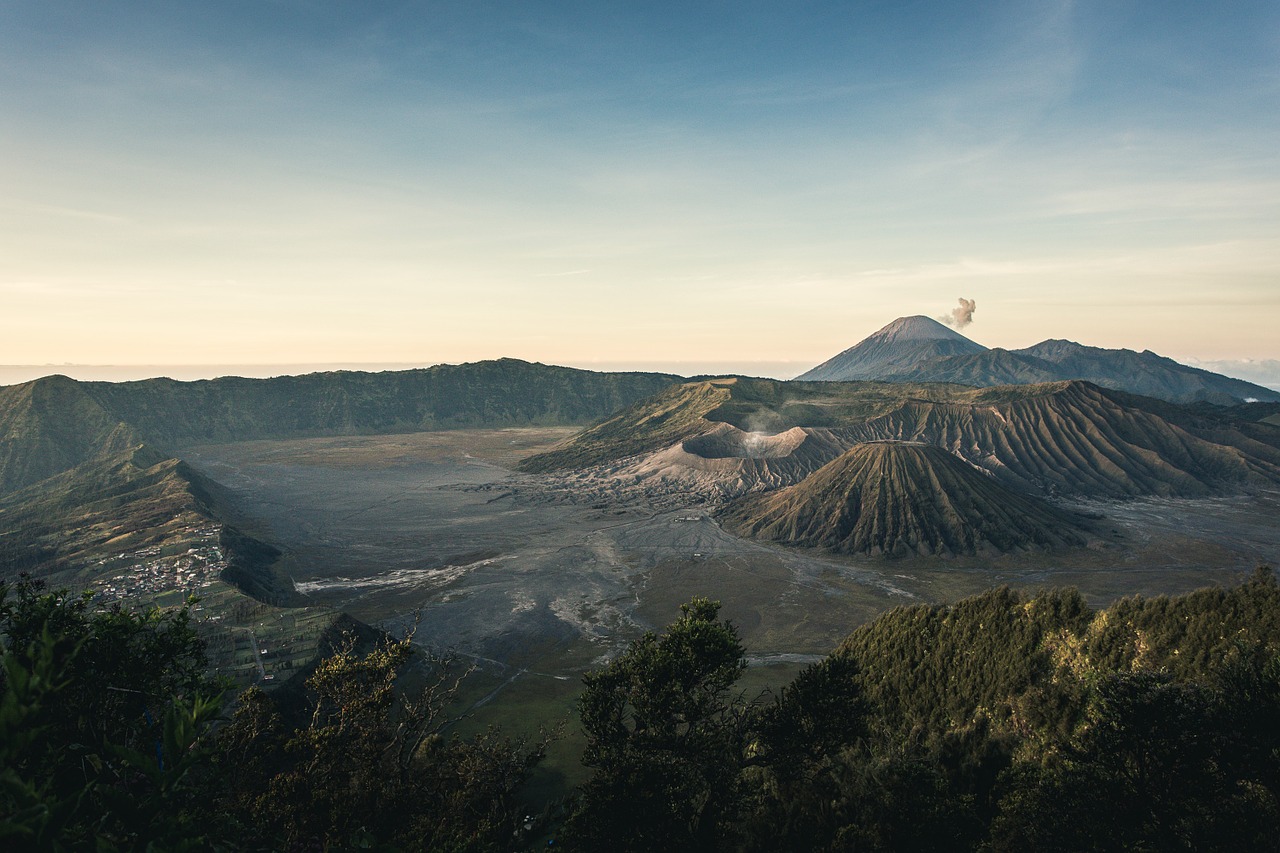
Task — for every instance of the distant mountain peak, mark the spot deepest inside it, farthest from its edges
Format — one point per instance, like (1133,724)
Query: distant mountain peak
(901,344)
(917,327)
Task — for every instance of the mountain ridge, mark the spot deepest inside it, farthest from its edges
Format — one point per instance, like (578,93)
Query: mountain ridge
(917,349)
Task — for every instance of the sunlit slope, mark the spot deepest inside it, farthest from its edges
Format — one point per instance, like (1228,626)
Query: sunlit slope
(113,502)
(990,655)
(671,415)
(488,394)
(896,498)
(50,425)
(1062,438)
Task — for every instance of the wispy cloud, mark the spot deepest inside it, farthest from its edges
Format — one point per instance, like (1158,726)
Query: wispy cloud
(1239,256)
(1169,199)
(561,274)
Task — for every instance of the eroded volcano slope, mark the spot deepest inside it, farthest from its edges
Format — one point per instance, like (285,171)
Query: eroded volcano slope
(902,498)
(1076,439)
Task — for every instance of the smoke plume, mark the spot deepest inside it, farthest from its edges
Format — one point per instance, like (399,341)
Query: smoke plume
(961,315)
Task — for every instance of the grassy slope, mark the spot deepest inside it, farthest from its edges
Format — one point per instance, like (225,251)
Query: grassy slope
(51,425)
(942,665)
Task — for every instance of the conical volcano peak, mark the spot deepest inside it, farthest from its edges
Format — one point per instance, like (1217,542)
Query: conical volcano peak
(901,345)
(901,498)
(916,328)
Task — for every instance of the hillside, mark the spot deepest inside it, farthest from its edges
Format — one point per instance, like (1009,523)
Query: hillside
(114,502)
(896,498)
(51,425)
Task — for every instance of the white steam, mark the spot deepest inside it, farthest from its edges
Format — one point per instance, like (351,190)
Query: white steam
(962,314)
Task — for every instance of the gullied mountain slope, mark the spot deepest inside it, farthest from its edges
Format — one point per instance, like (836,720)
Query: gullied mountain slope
(896,498)
(51,425)
(1073,438)
(898,346)
(506,392)
(1055,439)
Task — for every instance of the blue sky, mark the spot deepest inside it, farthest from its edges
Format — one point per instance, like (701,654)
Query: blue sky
(648,182)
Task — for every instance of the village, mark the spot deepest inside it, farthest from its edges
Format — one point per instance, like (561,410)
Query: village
(156,570)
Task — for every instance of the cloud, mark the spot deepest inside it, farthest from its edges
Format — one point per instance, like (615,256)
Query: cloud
(1260,371)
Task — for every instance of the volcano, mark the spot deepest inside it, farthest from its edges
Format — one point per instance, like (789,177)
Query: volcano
(899,346)
(897,498)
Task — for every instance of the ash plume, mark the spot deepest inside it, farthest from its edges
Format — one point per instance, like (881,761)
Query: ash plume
(961,315)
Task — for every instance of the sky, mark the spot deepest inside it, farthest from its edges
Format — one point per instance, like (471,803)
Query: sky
(596,183)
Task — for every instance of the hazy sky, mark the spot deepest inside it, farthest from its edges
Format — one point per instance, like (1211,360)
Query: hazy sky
(307,181)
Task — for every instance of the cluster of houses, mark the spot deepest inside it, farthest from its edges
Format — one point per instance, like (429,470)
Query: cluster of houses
(154,570)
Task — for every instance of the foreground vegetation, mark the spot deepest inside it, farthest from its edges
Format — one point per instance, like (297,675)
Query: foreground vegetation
(1002,722)
(113,738)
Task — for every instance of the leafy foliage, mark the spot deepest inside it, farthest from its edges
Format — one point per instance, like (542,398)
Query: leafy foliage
(665,733)
(370,766)
(1003,722)
(102,723)
(108,740)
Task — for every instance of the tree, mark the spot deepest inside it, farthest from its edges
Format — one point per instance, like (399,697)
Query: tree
(370,766)
(103,718)
(666,735)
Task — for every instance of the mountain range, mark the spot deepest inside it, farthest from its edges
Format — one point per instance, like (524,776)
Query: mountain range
(934,435)
(1058,439)
(84,465)
(912,468)
(918,349)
